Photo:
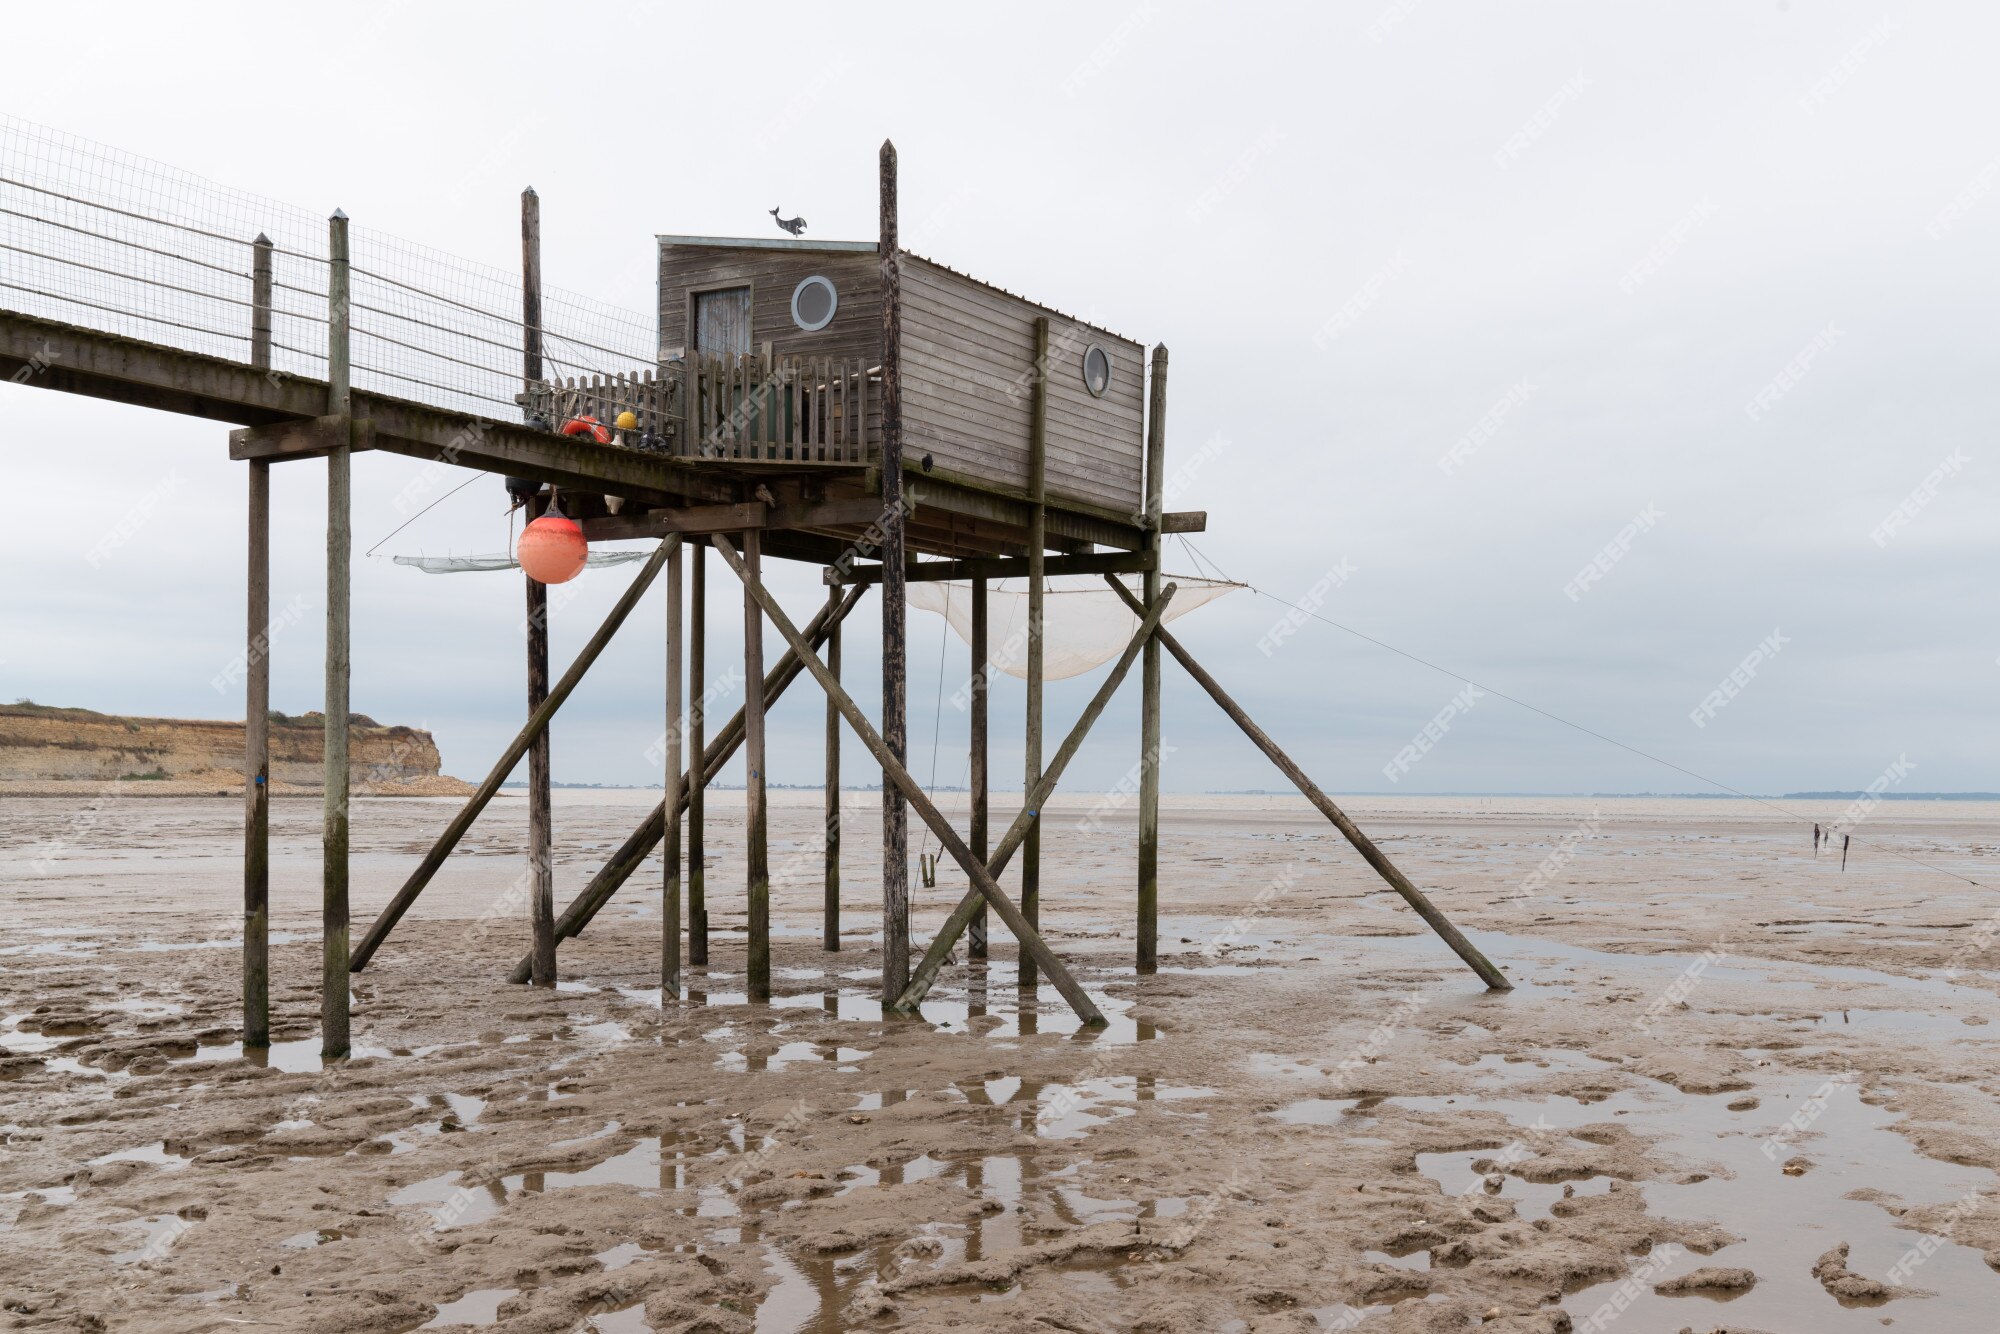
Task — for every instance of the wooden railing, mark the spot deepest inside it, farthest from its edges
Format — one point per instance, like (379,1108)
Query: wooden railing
(746,409)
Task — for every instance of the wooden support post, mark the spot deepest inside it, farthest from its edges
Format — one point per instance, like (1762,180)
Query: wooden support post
(1038,447)
(1364,845)
(976,762)
(1017,832)
(670,888)
(640,843)
(541,815)
(257,699)
(894,772)
(895,613)
(333,1034)
(697,785)
(1148,958)
(830,937)
(756,847)
(511,756)
(541,818)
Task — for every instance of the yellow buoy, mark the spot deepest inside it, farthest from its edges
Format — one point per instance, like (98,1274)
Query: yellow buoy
(626,421)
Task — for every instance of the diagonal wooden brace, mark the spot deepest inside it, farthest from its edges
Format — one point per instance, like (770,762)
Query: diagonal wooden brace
(453,832)
(1031,940)
(1031,806)
(639,845)
(1364,845)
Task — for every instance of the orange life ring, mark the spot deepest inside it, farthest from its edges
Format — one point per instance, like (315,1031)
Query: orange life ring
(589,426)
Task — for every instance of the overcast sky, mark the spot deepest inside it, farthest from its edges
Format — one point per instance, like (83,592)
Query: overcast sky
(1592,344)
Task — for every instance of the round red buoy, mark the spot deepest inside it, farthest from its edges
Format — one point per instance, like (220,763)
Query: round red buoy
(552,550)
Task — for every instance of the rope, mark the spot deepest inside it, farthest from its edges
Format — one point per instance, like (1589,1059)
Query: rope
(426,510)
(1557,718)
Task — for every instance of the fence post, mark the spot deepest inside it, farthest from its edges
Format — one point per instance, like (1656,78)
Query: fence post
(339,551)
(257,697)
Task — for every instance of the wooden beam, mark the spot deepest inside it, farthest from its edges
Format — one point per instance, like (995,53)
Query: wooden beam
(1031,940)
(1364,845)
(734,518)
(895,614)
(640,843)
(257,698)
(999,567)
(695,786)
(1147,953)
(541,816)
(1032,802)
(757,856)
(976,771)
(830,926)
(1031,748)
(300,438)
(509,757)
(1184,521)
(333,1034)
(670,860)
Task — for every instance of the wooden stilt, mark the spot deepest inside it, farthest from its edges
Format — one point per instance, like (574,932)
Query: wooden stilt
(1031,941)
(541,822)
(1038,446)
(697,853)
(830,936)
(333,1034)
(510,757)
(1148,955)
(1364,845)
(756,847)
(257,699)
(975,936)
(640,843)
(670,860)
(895,615)
(1017,833)
(541,831)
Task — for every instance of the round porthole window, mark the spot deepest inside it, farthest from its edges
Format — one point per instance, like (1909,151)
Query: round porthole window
(813,303)
(1096,370)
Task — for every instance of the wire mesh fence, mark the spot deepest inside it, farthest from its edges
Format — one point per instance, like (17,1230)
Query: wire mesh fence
(107,240)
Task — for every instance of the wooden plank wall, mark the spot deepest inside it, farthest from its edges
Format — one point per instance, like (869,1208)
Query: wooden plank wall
(856,330)
(968,353)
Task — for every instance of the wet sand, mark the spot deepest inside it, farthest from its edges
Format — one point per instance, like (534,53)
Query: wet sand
(1723,1055)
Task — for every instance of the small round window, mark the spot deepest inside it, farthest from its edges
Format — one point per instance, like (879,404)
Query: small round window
(1096,370)
(813,303)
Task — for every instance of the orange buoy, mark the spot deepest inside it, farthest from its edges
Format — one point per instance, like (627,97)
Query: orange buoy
(589,426)
(552,550)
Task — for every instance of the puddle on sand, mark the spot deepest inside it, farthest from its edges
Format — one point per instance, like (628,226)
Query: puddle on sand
(478,1307)
(1787,1222)
(305,1241)
(297,1057)
(156,1153)
(160,1231)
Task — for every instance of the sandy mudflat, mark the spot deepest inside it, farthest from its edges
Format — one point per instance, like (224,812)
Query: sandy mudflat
(1723,1055)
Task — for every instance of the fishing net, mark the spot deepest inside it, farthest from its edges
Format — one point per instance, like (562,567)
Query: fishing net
(472,564)
(1084,624)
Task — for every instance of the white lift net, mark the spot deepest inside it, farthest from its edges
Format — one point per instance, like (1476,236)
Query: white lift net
(1084,623)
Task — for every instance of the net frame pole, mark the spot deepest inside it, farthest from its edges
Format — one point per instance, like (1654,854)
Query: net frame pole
(697,785)
(895,600)
(1031,750)
(671,800)
(757,858)
(830,912)
(1147,950)
(976,761)
(541,814)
